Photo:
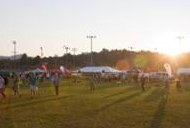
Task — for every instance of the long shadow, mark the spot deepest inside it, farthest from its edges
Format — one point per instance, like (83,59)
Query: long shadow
(159,114)
(25,98)
(35,101)
(119,101)
(121,92)
(107,85)
(6,122)
(154,95)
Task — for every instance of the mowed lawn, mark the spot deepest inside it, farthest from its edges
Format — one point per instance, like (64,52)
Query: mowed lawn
(112,105)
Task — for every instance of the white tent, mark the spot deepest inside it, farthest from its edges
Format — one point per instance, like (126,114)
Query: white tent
(98,69)
(183,71)
(36,71)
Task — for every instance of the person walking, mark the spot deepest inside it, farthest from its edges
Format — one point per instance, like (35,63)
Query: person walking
(56,82)
(143,82)
(33,84)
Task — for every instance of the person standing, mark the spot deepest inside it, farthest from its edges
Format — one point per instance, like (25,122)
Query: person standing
(167,86)
(56,82)
(16,88)
(143,82)
(92,83)
(2,87)
(33,84)
(178,84)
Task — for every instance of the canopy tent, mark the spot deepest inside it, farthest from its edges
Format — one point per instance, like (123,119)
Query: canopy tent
(36,71)
(98,69)
(183,71)
(5,73)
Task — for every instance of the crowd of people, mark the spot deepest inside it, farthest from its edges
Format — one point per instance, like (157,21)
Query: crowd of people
(32,81)
(136,78)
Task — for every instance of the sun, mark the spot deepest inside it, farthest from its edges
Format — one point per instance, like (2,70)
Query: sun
(172,47)
(171,42)
(173,51)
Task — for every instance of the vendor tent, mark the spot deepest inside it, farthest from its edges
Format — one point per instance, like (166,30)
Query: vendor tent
(5,73)
(36,71)
(98,69)
(183,71)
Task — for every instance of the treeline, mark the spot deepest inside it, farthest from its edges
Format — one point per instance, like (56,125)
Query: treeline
(120,59)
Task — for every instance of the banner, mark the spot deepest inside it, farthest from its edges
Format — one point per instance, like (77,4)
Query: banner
(44,68)
(168,69)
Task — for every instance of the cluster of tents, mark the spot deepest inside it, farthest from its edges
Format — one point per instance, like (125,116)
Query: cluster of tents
(97,69)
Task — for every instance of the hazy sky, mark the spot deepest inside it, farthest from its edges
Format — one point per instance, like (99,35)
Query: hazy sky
(142,24)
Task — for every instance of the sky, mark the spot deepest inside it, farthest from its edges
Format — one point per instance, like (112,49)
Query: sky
(118,24)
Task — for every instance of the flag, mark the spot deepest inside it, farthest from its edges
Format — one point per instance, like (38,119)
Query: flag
(168,69)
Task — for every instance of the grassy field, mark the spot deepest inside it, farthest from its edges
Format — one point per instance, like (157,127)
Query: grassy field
(112,105)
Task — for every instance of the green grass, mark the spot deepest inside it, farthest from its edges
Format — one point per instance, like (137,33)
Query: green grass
(112,105)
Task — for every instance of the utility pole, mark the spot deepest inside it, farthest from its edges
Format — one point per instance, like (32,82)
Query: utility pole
(74,50)
(91,38)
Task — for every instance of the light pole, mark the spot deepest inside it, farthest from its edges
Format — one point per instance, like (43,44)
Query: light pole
(91,37)
(41,52)
(180,38)
(131,48)
(66,49)
(74,50)
(14,52)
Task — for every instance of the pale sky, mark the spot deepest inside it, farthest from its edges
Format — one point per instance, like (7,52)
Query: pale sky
(118,24)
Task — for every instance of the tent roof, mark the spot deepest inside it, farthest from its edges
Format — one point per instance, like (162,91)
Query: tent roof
(36,71)
(98,69)
(183,71)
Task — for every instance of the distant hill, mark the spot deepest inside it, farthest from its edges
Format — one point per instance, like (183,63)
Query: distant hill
(10,57)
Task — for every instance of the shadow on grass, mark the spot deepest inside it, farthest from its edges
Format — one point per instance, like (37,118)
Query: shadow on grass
(155,95)
(16,100)
(119,101)
(6,122)
(121,92)
(106,85)
(160,113)
(35,101)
